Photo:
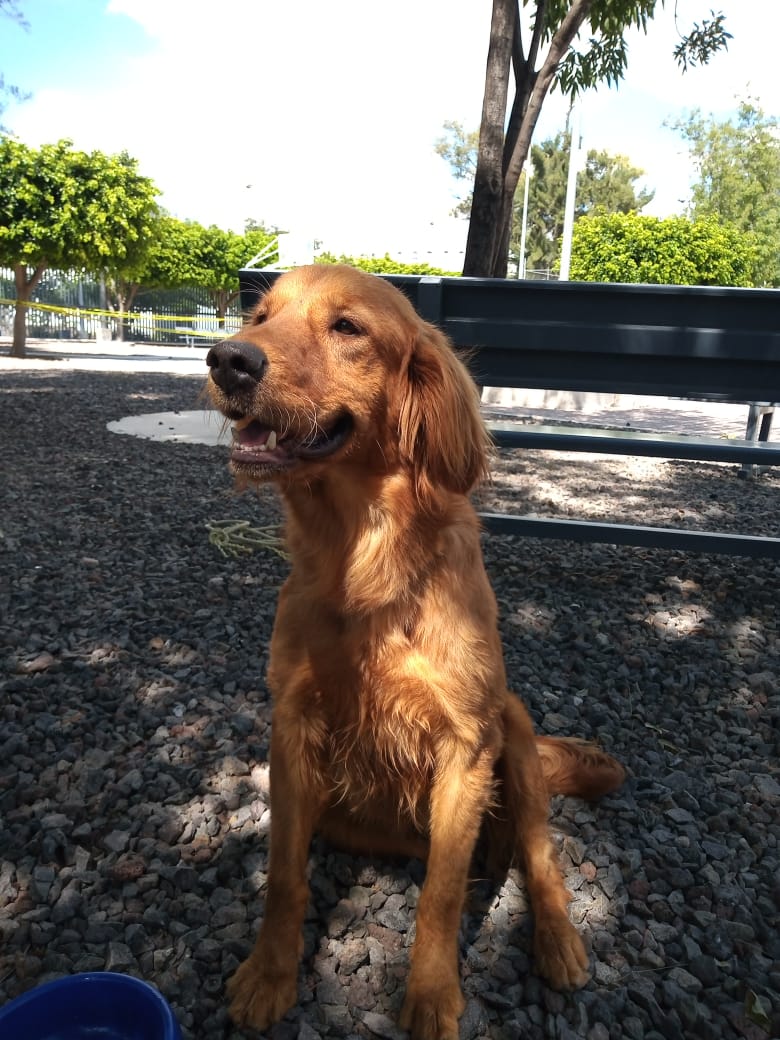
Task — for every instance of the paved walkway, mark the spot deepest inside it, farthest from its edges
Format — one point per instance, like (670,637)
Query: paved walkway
(86,355)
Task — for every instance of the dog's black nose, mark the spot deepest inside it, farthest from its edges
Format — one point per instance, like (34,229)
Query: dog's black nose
(236,365)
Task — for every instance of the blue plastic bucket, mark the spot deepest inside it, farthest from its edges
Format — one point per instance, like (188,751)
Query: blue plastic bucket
(99,1005)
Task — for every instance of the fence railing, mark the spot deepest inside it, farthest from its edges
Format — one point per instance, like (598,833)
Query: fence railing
(69,305)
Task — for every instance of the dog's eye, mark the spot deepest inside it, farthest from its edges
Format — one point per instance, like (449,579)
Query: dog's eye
(345,327)
(259,318)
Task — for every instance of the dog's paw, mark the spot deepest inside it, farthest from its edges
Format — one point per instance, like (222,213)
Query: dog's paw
(260,993)
(560,954)
(432,1014)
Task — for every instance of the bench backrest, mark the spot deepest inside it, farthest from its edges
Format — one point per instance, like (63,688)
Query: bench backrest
(669,340)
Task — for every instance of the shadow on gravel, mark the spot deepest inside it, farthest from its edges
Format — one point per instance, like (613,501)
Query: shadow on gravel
(692,495)
(135,725)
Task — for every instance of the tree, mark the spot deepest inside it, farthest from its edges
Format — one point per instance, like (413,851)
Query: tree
(182,254)
(383,265)
(608,184)
(458,147)
(738,168)
(65,208)
(217,256)
(550,59)
(164,263)
(624,247)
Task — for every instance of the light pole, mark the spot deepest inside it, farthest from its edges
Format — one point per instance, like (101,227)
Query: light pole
(528,170)
(575,163)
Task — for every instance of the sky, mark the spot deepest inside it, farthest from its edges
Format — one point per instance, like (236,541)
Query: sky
(320,116)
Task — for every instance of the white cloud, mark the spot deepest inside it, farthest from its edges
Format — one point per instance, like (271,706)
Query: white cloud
(328,111)
(321,117)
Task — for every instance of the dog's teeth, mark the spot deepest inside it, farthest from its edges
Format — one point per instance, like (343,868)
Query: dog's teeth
(270,444)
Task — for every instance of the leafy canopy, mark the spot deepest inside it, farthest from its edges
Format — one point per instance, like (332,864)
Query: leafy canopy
(60,207)
(603,58)
(737,163)
(66,208)
(383,265)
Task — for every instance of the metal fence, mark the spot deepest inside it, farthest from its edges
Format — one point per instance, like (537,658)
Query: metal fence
(72,305)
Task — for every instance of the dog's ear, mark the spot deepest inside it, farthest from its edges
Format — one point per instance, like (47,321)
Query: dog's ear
(442,436)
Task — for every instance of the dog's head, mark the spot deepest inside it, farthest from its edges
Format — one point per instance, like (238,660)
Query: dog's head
(335,368)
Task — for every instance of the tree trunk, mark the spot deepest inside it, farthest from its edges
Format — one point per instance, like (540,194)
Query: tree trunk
(18,344)
(490,226)
(119,296)
(119,335)
(542,81)
(221,299)
(24,289)
(131,291)
(488,179)
(501,258)
(525,78)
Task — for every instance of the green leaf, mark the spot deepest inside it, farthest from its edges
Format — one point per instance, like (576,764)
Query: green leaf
(758,1010)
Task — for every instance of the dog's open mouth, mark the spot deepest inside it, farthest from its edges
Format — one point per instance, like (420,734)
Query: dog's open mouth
(255,444)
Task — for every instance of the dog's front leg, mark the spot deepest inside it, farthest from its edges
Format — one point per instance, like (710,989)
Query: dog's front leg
(265,985)
(434,1000)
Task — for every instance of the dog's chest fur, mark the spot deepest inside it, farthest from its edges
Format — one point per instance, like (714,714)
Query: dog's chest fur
(368,724)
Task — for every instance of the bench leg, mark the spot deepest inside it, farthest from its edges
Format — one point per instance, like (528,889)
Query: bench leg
(759,425)
(766,423)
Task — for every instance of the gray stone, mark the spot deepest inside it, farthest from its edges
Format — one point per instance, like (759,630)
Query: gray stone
(473,1021)
(351,954)
(685,980)
(337,1019)
(342,916)
(120,957)
(383,1026)
(705,969)
(395,920)
(605,974)
(330,991)
(117,841)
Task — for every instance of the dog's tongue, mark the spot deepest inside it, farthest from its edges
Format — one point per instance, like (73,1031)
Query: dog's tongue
(254,435)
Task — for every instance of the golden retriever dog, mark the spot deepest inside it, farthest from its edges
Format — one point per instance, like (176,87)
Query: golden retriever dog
(393,731)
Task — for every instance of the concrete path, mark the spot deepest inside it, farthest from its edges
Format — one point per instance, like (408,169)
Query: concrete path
(86,355)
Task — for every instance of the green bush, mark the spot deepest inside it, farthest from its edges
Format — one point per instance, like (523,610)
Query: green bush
(626,247)
(382,265)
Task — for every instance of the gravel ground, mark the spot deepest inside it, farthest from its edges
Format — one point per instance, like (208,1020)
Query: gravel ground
(134,738)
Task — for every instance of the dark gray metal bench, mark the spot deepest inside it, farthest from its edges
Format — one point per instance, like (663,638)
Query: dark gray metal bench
(672,341)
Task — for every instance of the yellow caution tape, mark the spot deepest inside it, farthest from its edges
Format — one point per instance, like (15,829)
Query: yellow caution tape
(122,315)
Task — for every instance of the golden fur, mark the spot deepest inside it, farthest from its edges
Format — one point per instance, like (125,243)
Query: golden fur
(393,729)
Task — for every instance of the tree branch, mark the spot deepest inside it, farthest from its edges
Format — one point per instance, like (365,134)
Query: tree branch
(525,77)
(559,44)
(536,39)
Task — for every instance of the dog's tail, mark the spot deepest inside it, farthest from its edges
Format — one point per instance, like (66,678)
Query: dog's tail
(577,767)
